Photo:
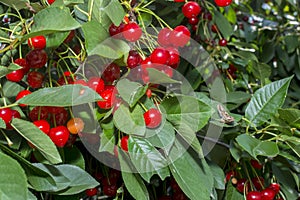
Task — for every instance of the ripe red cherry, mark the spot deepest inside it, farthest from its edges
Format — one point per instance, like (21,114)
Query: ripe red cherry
(254,195)
(61,117)
(174,56)
(35,79)
(241,184)
(193,20)
(223,42)
(65,80)
(111,73)
(132,32)
(59,135)
(191,9)
(38,113)
(267,194)
(23,63)
(214,28)
(160,55)
(229,175)
(22,94)
(96,83)
(116,31)
(110,190)
(163,37)
(180,36)
(37,42)
(258,182)
(36,58)
(148,93)
(133,59)
(179,0)
(15,114)
(124,143)
(6,114)
(15,76)
(43,125)
(108,97)
(50,1)
(223,3)
(255,164)
(275,187)
(152,118)
(91,192)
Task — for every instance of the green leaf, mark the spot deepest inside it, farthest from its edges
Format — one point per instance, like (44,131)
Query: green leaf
(97,7)
(130,122)
(7,70)
(232,193)
(30,196)
(256,147)
(18,4)
(218,175)
(2,124)
(73,156)
(133,182)
(158,77)
(291,116)
(38,138)
(14,183)
(115,11)
(291,43)
(190,174)
(268,52)
(146,159)
(56,39)
(266,101)
(94,34)
(237,97)
(223,24)
(260,71)
(66,95)
(130,91)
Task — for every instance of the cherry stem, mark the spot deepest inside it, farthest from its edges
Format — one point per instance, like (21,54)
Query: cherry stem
(143,106)
(9,142)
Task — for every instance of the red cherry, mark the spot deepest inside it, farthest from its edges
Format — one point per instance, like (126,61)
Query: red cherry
(160,55)
(38,113)
(96,83)
(6,114)
(111,73)
(241,185)
(70,37)
(124,143)
(223,3)
(116,31)
(65,80)
(37,42)
(133,59)
(193,20)
(50,1)
(207,16)
(61,117)
(275,187)
(148,93)
(36,58)
(258,182)
(179,196)
(110,190)
(15,76)
(179,0)
(174,56)
(174,185)
(255,164)
(152,118)
(268,194)
(35,79)
(43,125)
(15,114)
(108,97)
(214,28)
(59,135)
(180,36)
(254,195)
(132,32)
(229,175)
(22,94)
(163,37)
(191,9)
(23,63)
(223,42)
(91,192)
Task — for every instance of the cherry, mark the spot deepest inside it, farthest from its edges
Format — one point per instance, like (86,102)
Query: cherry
(61,117)
(36,58)
(229,175)
(223,42)
(174,56)
(6,114)
(258,182)
(108,97)
(55,109)
(37,42)
(96,83)
(223,3)
(111,73)
(214,28)
(179,0)
(35,79)
(241,184)
(193,20)
(98,176)
(70,37)
(22,94)
(65,80)
(148,93)
(38,113)
(207,16)
(133,59)
(163,37)
(75,125)
(180,36)
(50,1)
(132,32)
(15,114)
(275,187)
(191,9)
(179,196)
(43,125)
(116,31)
(268,194)
(15,76)
(59,135)
(174,185)
(152,118)
(255,164)
(23,63)
(110,190)
(124,142)
(254,195)
(91,192)
(160,55)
